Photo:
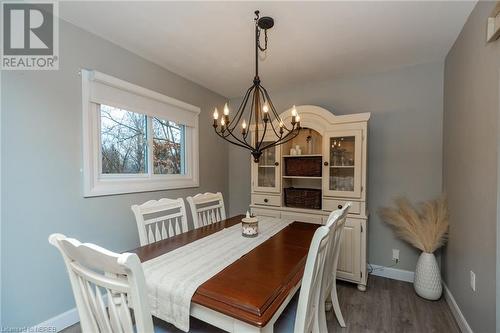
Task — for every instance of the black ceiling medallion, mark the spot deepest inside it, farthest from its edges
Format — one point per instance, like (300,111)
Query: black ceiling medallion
(256,111)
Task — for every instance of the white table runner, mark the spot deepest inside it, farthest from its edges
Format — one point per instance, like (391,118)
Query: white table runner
(172,278)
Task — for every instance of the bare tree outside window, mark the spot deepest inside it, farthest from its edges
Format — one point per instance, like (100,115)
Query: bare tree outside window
(168,147)
(123,141)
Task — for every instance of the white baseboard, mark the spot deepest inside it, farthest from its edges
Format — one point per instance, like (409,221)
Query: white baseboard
(455,310)
(393,273)
(60,322)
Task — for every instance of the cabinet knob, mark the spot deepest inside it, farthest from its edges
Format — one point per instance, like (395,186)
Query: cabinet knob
(339,206)
(276,163)
(266,200)
(326,163)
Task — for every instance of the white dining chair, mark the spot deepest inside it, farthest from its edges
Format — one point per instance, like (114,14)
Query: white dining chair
(207,208)
(335,224)
(106,286)
(307,319)
(160,219)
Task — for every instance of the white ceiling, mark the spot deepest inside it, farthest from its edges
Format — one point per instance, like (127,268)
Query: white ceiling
(211,43)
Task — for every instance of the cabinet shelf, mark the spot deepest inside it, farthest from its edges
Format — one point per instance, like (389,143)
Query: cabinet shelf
(342,166)
(267,166)
(303,155)
(301,177)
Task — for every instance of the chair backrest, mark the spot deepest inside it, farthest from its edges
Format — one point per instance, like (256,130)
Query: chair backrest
(160,219)
(335,224)
(310,291)
(207,208)
(106,285)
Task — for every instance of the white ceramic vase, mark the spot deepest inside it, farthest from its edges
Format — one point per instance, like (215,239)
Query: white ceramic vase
(428,277)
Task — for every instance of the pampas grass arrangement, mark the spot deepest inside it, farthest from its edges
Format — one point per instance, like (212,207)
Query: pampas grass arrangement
(426,228)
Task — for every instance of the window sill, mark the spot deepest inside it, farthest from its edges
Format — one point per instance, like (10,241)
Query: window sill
(112,186)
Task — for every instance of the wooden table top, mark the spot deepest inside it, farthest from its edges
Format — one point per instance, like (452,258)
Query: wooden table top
(253,287)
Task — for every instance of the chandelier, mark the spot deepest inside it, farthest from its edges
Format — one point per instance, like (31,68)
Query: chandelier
(256,111)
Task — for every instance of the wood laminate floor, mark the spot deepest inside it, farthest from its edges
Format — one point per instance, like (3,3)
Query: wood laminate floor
(386,306)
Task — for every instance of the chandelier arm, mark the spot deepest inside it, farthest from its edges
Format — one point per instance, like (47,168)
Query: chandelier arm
(230,133)
(274,110)
(240,141)
(241,110)
(283,140)
(230,141)
(274,130)
(251,113)
(249,118)
(262,137)
(266,99)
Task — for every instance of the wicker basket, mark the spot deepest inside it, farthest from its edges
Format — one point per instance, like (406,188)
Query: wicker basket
(303,198)
(307,166)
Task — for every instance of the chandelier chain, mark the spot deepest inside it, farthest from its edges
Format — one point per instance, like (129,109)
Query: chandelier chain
(262,49)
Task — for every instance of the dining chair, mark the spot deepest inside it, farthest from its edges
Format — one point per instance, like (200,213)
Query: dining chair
(106,286)
(307,319)
(160,219)
(207,208)
(335,224)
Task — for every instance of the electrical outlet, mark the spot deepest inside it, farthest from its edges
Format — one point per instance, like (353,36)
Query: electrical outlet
(395,255)
(473,280)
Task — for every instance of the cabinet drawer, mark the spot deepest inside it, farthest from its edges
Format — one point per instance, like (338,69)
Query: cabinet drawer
(331,205)
(266,212)
(266,200)
(308,218)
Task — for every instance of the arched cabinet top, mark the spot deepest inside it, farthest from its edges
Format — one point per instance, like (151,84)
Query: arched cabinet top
(320,119)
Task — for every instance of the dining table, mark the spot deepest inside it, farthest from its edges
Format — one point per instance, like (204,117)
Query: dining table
(249,294)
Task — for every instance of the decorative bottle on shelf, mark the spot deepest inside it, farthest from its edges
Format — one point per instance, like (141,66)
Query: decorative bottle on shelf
(299,151)
(309,142)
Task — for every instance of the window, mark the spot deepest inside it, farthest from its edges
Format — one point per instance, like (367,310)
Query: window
(123,141)
(135,139)
(168,147)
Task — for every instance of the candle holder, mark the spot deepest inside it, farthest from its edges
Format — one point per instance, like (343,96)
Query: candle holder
(250,226)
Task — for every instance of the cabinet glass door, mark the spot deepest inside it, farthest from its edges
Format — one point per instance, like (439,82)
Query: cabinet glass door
(343,164)
(265,176)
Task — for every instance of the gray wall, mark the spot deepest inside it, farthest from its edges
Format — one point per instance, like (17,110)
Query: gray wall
(405,134)
(41,180)
(470,162)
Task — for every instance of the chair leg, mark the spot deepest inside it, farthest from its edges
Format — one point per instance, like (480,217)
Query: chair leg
(321,318)
(336,306)
(328,305)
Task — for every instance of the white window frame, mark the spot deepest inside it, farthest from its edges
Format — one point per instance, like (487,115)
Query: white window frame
(143,101)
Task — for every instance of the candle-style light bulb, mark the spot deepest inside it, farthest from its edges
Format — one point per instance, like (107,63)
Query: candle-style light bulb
(226,110)
(265,107)
(297,119)
(216,116)
(294,115)
(243,127)
(222,122)
(281,124)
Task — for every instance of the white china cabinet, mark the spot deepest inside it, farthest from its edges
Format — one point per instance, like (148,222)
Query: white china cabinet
(329,171)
